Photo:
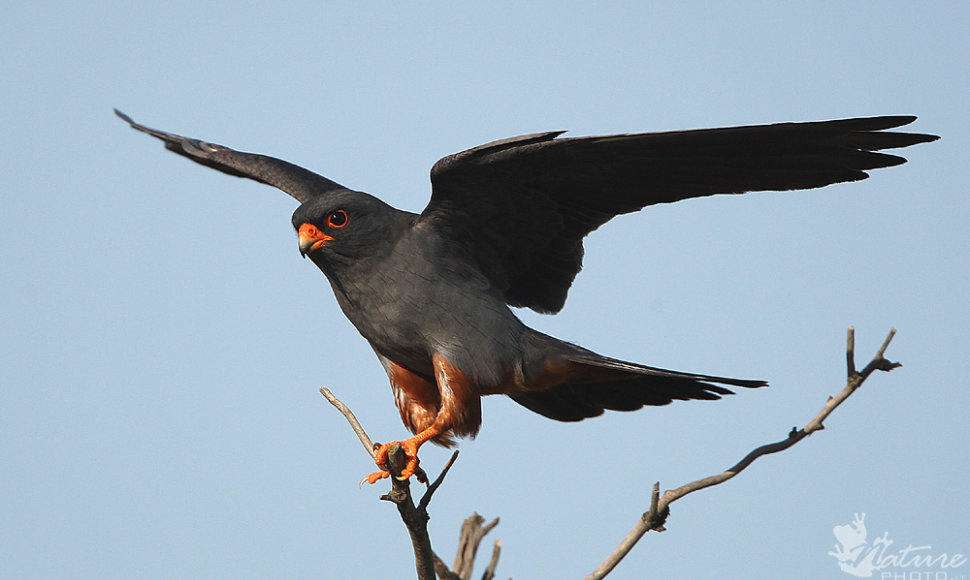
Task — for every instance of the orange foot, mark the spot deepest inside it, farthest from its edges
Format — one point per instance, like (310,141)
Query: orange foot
(410,448)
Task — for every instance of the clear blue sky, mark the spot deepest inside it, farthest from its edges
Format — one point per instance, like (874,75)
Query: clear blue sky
(162,341)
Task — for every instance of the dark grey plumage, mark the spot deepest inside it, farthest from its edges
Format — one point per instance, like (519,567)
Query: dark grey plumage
(430,292)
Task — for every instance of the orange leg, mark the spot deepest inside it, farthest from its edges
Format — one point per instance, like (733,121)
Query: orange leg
(410,447)
(458,407)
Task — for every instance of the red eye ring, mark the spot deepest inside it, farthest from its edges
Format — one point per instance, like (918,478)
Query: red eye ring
(338,219)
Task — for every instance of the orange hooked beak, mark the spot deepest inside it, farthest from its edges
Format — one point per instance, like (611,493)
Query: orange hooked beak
(311,238)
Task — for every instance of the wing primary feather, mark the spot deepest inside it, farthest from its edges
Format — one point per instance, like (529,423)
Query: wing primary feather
(299,183)
(522,206)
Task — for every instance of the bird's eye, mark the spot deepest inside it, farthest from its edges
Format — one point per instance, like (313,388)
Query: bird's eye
(337,219)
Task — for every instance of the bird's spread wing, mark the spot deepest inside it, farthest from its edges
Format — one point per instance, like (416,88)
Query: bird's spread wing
(521,207)
(298,182)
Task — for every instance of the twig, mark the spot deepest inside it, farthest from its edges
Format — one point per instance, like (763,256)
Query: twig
(426,498)
(493,563)
(850,351)
(656,516)
(349,415)
(472,534)
(444,573)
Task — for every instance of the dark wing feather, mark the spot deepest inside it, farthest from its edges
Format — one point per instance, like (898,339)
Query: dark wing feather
(521,207)
(298,182)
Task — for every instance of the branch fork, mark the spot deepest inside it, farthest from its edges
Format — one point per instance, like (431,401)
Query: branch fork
(415,517)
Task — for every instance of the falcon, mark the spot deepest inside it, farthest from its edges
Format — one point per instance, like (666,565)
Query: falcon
(432,292)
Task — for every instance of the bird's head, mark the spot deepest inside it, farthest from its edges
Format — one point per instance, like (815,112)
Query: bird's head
(344,226)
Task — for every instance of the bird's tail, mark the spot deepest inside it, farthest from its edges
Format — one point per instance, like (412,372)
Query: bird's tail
(593,383)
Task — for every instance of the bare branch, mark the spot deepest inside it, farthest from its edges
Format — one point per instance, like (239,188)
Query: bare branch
(493,563)
(349,415)
(655,518)
(426,498)
(472,534)
(415,518)
(444,573)
(850,352)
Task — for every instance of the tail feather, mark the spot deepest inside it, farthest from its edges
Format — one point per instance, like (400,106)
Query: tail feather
(597,383)
(598,361)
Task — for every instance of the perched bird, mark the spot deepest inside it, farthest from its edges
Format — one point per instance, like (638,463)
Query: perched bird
(505,225)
